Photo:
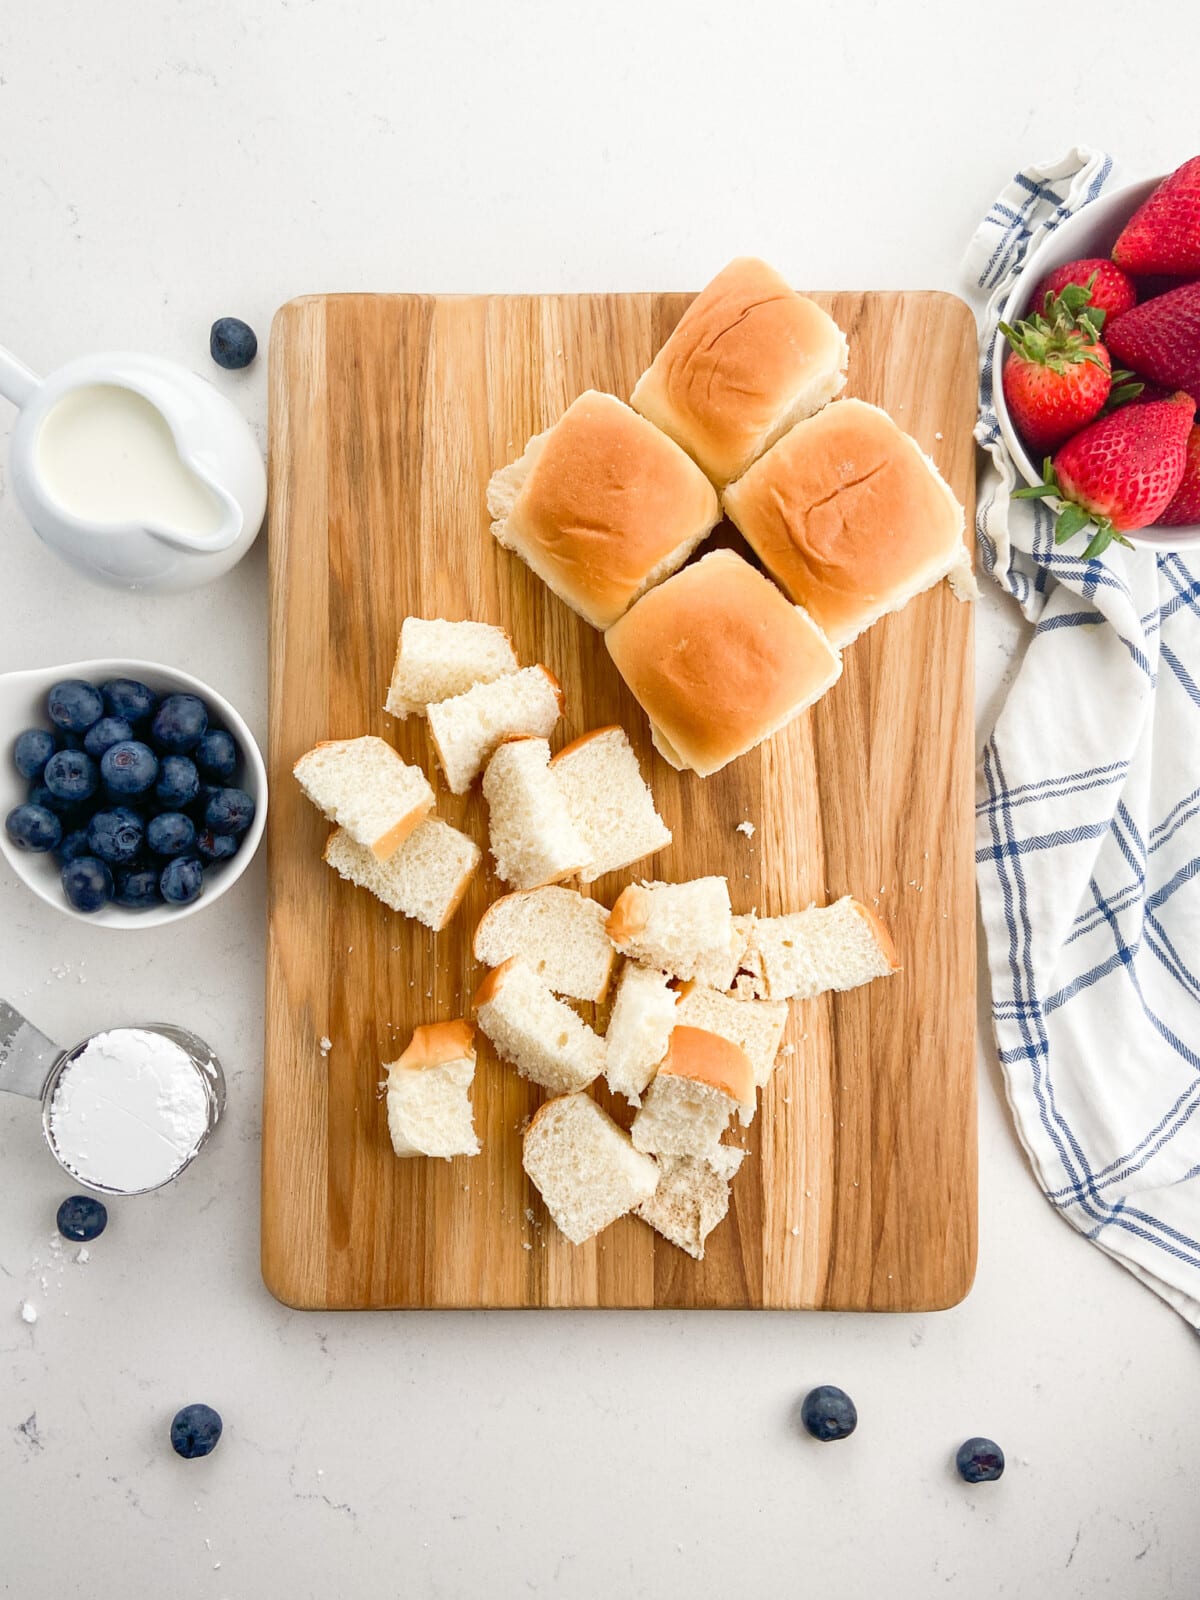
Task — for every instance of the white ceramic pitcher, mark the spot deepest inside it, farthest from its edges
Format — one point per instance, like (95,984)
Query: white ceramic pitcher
(215,445)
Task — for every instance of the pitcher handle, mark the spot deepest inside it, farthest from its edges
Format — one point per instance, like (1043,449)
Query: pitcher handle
(27,1057)
(17,382)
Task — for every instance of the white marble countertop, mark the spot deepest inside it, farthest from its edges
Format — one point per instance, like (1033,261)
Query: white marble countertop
(164,165)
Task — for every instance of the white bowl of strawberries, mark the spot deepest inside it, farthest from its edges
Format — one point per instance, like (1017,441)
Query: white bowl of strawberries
(1099,357)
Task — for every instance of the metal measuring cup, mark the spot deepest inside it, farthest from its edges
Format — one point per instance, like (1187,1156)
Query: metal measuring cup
(31,1065)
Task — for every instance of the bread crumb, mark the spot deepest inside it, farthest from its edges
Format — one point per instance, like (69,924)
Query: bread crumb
(789,1049)
(525,1245)
(28,1312)
(939,436)
(795,1232)
(747,828)
(325,1044)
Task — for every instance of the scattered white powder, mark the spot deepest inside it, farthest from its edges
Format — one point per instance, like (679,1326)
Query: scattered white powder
(129,1111)
(747,828)
(83,1253)
(28,1312)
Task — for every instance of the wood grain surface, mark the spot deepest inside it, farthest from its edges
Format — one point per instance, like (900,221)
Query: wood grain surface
(388,414)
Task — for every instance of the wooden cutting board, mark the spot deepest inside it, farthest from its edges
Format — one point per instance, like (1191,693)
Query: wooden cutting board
(388,414)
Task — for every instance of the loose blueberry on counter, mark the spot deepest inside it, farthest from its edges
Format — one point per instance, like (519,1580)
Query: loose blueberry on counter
(33,828)
(180,723)
(87,884)
(979,1461)
(72,846)
(74,705)
(182,881)
(232,343)
(129,768)
(137,888)
(116,835)
(126,697)
(217,756)
(229,811)
(71,775)
(82,1218)
(32,750)
(178,781)
(828,1413)
(195,1431)
(216,846)
(102,735)
(170,833)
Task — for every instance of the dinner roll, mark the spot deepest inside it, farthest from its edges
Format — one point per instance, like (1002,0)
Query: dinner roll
(719,660)
(748,358)
(602,506)
(849,515)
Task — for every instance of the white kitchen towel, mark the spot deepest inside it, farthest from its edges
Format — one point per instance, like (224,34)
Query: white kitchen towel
(1088,836)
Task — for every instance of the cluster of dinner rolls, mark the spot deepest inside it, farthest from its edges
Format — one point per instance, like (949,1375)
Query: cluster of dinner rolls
(845,512)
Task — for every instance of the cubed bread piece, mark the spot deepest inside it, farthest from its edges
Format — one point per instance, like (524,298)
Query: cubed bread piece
(639,1030)
(748,358)
(540,1035)
(692,1197)
(584,1167)
(609,801)
(557,934)
(531,836)
(428,1099)
(704,1081)
(363,786)
(602,506)
(467,728)
(826,947)
(719,660)
(756,1026)
(436,660)
(426,878)
(684,929)
(851,518)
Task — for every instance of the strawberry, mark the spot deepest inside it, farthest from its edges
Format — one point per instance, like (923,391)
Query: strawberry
(1160,339)
(1058,374)
(1185,507)
(1109,289)
(1163,235)
(1120,473)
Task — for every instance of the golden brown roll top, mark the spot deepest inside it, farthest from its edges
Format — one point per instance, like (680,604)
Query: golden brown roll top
(748,358)
(719,660)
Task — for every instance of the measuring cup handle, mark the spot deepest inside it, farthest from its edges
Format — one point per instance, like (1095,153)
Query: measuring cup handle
(26,1055)
(17,382)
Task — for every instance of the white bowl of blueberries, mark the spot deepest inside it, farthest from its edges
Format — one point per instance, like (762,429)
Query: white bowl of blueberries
(132,794)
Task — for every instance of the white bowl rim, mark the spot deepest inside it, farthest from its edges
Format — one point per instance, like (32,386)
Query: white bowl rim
(118,917)
(1131,195)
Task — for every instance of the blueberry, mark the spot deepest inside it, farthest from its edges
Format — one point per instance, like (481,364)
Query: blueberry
(182,881)
(180,722)
(979,1461)
(87,883)
(129,768)
(32,750)
(126,697)
(828,1413)
(217,755)
(229,811)
(71,775)
(72,846)
(33,828)
(195,1431)
(75,705)
(178,781)
(137,887)
(232,343)
(102,735)
(82,1218)
(170,833)
(116,835)
(217,846)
